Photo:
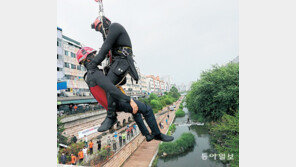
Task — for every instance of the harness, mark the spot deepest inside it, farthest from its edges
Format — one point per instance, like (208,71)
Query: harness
(126,52)
(122,52)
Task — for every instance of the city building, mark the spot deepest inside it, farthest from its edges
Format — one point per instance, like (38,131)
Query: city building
(143,82)
(69,72)
(72,70)
(181,87)
(60,52)
(136,90)
(157,85)
(168,82)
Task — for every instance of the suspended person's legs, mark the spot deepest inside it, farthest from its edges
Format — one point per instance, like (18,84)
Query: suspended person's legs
(138,119)
(147,112)
(111,118)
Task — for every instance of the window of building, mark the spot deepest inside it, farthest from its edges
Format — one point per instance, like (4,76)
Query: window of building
(58,43)
(78,67)
(59,69)
(73,55)
(66,53)
(67,65)
(73,66)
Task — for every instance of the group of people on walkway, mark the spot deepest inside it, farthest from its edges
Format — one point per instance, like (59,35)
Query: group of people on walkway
(118,140)
(161,125)
(82,154)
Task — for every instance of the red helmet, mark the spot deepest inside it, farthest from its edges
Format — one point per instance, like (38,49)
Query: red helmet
(83,53)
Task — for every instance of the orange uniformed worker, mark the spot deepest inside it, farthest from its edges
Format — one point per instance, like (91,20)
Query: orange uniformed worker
(73,159)
(80,156)
(90,145)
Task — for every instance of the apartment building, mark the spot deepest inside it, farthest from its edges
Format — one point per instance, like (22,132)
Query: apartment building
(60,52)
(72,70)
(69,72)
(156,85)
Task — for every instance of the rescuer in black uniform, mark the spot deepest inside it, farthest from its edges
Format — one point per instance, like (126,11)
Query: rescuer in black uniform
(118,44)
(95,77)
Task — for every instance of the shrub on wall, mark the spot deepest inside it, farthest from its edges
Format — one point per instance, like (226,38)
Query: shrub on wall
(74,148)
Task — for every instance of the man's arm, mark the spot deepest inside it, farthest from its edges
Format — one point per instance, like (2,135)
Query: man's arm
(114,32)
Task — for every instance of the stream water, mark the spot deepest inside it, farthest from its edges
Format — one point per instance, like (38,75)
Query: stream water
(192,158)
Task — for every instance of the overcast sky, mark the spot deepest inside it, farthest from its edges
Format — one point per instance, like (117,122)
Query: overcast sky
(169,37)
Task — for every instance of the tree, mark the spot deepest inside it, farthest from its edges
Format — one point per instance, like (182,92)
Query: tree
(152,96)
(60,129)
(226,138)
(174,93)
(216,93)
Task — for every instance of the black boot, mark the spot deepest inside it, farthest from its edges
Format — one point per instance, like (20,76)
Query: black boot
(163,137)
(111,118)
(149,137)
(107,124)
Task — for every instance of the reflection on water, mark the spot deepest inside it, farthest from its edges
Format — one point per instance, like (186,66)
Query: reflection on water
(192,157)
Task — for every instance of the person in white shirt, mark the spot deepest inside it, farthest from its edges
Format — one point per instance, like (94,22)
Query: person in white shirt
(85,153)
(85,141)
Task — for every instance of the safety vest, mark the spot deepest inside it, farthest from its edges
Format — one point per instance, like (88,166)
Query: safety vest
(80,155)
(123,136)
(91,145)
(73,159)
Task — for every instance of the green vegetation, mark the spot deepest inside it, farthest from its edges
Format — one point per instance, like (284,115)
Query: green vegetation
(216,93)
(154,163)
(100,157)
(61,139)
(181,106)
(180,113)
(181,145)
(172,128)
(72,149)
(105,152)
(215,98)
(157,103)
(226,139)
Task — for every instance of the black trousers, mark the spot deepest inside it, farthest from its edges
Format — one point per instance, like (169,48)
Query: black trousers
(115,79)
(144,110)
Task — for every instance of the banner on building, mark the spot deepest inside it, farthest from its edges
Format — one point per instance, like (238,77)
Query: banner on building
(62,85)
(87,132)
